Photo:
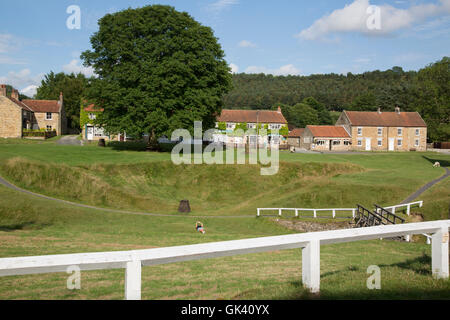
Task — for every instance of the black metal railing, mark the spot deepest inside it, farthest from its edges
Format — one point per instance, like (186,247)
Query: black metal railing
(388,216)
(367,218)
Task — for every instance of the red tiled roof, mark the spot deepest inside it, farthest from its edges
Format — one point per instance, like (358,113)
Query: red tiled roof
(385,119)
(93,108)
(296,133)
(43,105)
(251,116)
(328,132)
(20,104)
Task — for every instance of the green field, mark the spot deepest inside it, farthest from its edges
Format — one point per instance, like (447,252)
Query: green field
(140,181)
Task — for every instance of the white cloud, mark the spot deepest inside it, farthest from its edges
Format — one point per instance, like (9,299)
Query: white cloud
(234,68)
(23,80)
(222,4)
(247,44)
(7,43)
(75,67)
(354,17)
(282,71)
(29,91)
(11,61)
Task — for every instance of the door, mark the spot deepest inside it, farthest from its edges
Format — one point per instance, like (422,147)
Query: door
(368,144)
(391,144)
(90,133)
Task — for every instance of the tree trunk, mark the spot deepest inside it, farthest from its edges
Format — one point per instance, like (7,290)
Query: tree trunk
(153,144)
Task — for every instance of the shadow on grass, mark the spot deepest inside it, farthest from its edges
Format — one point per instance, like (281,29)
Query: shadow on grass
(15,226)
(444,163)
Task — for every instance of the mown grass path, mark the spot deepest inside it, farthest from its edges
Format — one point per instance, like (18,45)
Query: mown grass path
(426,187)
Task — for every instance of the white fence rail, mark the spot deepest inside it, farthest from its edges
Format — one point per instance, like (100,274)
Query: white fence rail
(132,261)
(335,210)
(407,205)
(314,211)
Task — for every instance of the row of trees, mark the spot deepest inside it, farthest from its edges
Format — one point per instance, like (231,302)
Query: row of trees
(426,91)
(159,70)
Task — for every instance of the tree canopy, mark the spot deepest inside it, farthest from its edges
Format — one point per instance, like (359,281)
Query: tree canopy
(158,70)
(73,88)
(426,91)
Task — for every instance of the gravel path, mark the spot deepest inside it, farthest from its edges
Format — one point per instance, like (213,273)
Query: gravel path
(69,141)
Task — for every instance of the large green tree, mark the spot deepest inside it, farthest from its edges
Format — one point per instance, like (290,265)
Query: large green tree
(72,86)
(158,70)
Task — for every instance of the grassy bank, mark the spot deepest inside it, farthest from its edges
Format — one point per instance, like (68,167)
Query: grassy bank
(31,226)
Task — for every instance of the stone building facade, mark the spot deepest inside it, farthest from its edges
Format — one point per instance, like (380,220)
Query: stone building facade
(385,131)
(16,115)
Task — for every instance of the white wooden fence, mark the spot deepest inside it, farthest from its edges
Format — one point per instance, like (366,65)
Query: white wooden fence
(335,210)
(314,211)
(407,205)
(132,261)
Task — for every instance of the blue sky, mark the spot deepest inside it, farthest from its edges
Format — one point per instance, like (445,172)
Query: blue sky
(278,37)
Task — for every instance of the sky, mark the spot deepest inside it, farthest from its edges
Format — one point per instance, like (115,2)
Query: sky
(283,37)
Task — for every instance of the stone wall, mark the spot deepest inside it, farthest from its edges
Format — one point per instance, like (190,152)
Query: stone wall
(10,119)
(42,122)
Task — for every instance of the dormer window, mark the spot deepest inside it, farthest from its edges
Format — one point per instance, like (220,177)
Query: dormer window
(48,116)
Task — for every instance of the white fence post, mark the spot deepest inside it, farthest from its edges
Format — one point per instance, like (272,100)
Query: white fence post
(439,254)
(258,213)
(296,212)
(315,214)
(354,213)
(408,210)
(280,213)
(334,213)
(133,280)
(311,266)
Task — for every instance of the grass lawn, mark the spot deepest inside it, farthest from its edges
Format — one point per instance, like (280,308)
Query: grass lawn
(147,181)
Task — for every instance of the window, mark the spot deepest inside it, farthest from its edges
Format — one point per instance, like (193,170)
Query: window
(275,126)
(399,142)
(359,142)
(336,142)
(320,142)
(92,116)
(380,142)
(400,131)
(230,125)
(347,143)
(49,128)
(48,116)
(359,131)
(417,132)
(416,143)
(380,131)
(251,126)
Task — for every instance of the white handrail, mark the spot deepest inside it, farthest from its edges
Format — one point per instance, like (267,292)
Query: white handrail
(310,243)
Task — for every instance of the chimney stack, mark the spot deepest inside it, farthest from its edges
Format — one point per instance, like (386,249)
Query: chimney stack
(15,94)
(397,110)
(2,90)
(61,98)
(379,110)
(279,109)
